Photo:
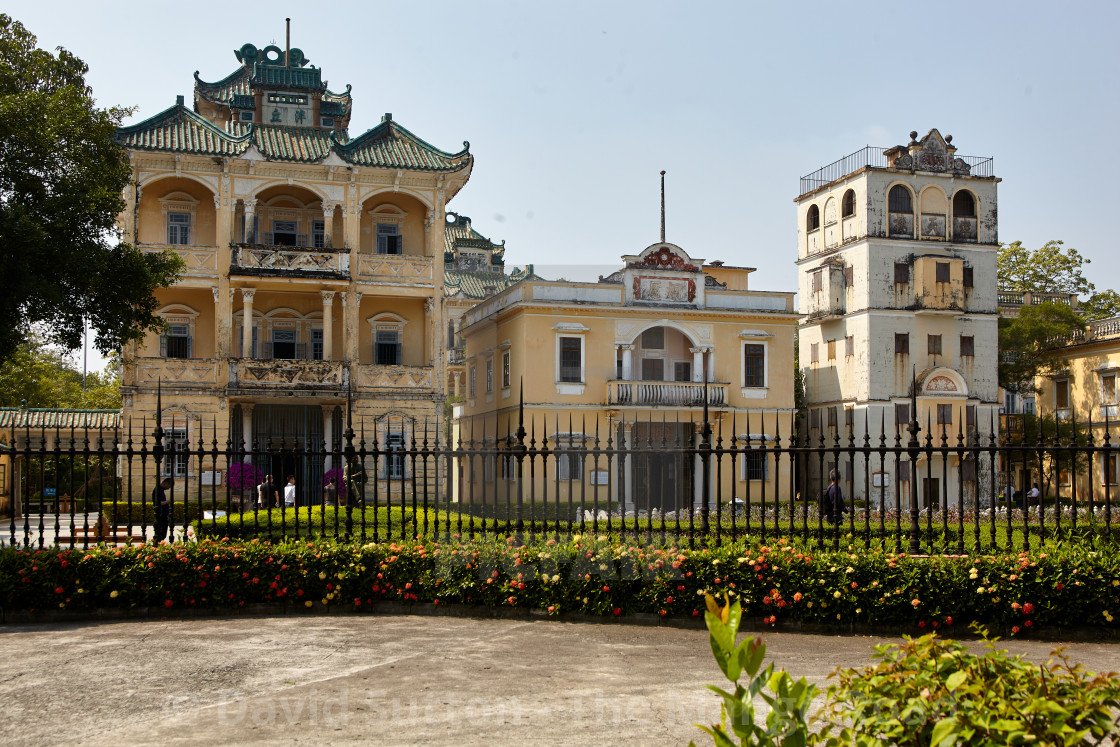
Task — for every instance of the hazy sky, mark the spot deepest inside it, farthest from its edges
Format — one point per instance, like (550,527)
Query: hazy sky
(573,108)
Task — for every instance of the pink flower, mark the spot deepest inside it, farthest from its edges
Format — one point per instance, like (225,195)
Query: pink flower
(797,597)
(915,602)
(854,584)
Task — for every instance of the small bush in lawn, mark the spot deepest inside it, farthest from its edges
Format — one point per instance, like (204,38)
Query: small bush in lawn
(932,691)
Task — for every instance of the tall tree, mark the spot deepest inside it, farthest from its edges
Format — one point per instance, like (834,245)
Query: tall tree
(1030,344)
(61,180)
(37,375)
(1054,268)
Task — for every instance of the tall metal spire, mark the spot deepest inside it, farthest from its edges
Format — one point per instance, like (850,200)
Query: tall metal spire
(662,206)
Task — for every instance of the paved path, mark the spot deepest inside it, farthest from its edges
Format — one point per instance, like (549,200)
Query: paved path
(384,680)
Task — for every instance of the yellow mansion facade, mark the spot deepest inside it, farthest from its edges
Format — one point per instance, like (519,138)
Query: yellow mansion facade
(314,266)
(626,363)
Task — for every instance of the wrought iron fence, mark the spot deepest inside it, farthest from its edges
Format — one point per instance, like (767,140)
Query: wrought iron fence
(702,478)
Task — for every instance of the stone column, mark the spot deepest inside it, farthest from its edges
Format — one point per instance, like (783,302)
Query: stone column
(328,325)
(351,302)
(250,234)
(328,224)
(247,430)
(710,351)
(627,361)
(328,436)
(247,322)
(455,382)
(697,364)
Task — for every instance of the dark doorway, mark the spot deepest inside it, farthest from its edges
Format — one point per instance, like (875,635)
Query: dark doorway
(931,491)
(288,440)
(661,474)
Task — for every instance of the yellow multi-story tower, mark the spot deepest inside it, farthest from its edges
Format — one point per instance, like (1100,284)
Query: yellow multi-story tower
(313,267)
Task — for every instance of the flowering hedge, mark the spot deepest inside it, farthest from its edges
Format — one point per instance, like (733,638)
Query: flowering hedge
(775,583)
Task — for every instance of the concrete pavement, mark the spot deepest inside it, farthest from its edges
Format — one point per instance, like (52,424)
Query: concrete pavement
(393,680)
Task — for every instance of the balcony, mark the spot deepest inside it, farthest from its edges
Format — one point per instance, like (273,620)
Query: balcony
(198,261)
(245,373)
(665,393)
(200,372)
(394,268)
(394,377)
(284,261)
(456,356)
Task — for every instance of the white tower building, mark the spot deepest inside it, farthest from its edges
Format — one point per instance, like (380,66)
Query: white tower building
(897,287)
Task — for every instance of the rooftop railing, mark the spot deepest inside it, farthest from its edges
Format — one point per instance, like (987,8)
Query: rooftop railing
(872,155)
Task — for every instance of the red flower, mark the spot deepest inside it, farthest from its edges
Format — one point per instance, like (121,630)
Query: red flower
(606,588)
(766,600)
(921,623)
(1027,623)
(854,584)
(1058,586)
(617,611)
(668,600)
(1028,608)
(797,597)
(58,590)
(1015,629)
(949,620)
(168,603)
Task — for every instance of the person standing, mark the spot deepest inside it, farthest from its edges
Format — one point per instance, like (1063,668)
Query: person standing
(162,505)
(266,493)
(330,493)
(836,508)
(290,492)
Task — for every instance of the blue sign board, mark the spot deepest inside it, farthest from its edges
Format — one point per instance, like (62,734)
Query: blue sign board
(48,492)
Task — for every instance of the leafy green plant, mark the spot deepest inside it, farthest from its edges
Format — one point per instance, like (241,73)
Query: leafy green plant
(932,691)
(786,723)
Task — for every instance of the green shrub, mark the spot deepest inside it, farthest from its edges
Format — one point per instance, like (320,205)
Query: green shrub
(931,691)
(315,522)
(786,723)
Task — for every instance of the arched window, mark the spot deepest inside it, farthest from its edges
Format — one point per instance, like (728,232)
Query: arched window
(964,216)
(964,205)
(900,209)
(899,200)
(813,220)
(848,207)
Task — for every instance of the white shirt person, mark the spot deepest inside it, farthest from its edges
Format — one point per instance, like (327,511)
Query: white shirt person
(290,492)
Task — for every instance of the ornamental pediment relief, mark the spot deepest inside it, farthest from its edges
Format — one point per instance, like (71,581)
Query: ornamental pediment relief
(664,256)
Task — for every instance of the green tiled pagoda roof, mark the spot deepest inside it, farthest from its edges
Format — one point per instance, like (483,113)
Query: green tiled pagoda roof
(390,145)
(460,232)
(473,284)
(17,417)
(293,143)
(220,92)
(180,130)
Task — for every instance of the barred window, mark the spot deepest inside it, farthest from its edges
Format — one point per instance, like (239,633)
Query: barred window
(899,200)
(813,219)
(754,365)
(755,466)
(964,205)
(571,359)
